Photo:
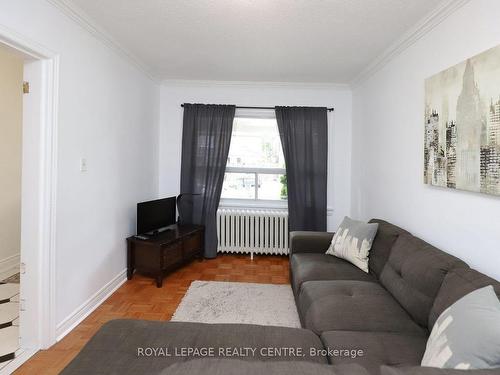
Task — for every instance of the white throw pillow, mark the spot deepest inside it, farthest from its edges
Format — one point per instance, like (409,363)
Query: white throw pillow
(353,241)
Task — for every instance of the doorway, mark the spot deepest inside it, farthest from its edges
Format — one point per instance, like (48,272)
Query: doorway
(11,125)
(36,263)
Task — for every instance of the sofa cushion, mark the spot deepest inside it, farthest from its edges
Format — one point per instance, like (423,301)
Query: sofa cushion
(220,366)
(377,348)
(387,234)
(456,284)
(353,306)
(419,370)
(414,273)
(122,347)
(307,267)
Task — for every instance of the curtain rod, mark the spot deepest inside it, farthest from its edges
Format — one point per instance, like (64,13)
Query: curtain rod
(239,107)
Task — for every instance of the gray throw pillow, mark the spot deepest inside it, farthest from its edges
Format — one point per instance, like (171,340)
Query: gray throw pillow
(352,241)
(467,334)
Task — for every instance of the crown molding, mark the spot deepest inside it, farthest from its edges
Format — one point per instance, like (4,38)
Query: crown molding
(81,18)
(256,84)
(433,19)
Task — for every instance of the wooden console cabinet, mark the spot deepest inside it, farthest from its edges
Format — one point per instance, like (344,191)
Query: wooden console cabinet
(165,252)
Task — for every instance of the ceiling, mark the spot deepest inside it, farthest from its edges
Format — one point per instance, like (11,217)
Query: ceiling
(328,41)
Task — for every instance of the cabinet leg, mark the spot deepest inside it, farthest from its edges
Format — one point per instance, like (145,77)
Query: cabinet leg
(130,259)
(159,281)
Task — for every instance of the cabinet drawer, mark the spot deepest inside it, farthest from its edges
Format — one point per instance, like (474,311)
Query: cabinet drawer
(172,254)
(192,244)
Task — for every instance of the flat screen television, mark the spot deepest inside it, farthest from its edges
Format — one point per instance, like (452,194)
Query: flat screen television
(152,216)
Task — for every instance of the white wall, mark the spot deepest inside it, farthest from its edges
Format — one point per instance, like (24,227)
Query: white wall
(173,94)
(11,125)
(108,113)
(388,131)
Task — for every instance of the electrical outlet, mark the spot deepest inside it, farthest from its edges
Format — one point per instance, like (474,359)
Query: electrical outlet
(83,165)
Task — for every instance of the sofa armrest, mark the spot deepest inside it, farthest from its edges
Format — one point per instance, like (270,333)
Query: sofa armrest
(309,242)
(419,370)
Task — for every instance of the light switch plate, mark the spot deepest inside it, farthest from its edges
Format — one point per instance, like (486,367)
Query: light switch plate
(83,165)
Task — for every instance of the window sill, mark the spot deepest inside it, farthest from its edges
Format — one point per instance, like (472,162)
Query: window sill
(250,203)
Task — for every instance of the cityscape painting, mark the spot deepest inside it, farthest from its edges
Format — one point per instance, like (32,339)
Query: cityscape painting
(462,125)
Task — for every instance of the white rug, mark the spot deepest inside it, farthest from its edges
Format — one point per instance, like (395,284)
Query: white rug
(229,302)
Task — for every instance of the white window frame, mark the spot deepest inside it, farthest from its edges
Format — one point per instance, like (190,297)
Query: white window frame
(256,202)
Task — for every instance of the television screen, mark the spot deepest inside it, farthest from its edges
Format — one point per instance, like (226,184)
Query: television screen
(154,215)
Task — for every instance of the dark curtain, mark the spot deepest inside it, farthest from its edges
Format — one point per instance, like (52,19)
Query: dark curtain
(206,137)
(304,136)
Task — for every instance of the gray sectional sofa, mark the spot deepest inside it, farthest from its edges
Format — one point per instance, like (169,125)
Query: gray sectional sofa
(389,312)
(383,317)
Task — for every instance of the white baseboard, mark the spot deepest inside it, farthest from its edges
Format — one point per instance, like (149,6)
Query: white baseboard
(10,266)
(90,305)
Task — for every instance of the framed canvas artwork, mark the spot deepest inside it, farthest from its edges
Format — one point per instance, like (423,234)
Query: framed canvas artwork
(462,125)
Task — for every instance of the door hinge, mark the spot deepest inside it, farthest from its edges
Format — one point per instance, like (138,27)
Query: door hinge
(26,87)
(22,268)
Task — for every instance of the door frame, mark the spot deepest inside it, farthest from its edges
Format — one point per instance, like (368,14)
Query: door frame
(43,266)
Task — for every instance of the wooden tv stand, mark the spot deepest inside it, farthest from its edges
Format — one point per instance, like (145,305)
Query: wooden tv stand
(164,252)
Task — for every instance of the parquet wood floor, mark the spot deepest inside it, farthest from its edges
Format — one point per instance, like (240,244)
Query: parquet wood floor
(139,298)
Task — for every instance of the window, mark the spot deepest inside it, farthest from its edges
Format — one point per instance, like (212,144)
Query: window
(255,167)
